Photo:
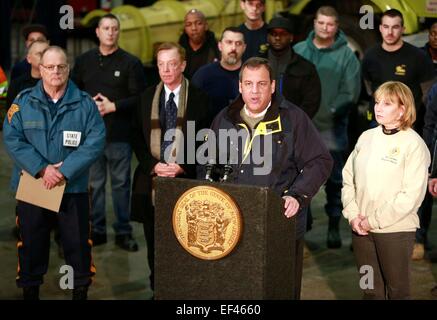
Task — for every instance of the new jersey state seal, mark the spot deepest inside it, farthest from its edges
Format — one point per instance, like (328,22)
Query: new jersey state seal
(207,222)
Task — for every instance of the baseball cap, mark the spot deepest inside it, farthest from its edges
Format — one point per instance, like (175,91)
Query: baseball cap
(34,28)
(280,23)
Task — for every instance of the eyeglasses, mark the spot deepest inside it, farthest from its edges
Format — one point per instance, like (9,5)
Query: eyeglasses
(59,67)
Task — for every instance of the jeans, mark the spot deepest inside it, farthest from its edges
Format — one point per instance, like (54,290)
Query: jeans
(334,184)
(117,158)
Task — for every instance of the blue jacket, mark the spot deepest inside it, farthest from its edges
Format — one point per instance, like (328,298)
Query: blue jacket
(34,138)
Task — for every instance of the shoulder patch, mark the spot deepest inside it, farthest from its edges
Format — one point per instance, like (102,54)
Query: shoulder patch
(14,108)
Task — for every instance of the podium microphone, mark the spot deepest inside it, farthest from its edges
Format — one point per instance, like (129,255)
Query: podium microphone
(227,172)
(209,169)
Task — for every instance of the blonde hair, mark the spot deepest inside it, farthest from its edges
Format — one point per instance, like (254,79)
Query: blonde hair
(398,92)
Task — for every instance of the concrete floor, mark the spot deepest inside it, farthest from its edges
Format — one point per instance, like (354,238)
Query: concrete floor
(328,274)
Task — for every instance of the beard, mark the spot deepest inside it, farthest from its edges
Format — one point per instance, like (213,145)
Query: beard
(231,60)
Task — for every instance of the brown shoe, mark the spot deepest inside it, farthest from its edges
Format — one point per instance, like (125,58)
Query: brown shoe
(418,251)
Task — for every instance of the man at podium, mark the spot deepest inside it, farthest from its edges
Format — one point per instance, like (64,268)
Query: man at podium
(275,145)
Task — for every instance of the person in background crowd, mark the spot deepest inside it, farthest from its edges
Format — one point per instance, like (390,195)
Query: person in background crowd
(31,33)
(254,28)
(28,79)
(220,79)
(115,79)
(341,85)
(431,46)
(296,78)
(199,43)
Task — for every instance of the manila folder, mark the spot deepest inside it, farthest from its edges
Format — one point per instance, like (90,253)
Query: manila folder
(32,191)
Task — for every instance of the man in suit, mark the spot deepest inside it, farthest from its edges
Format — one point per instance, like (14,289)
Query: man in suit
(172,104)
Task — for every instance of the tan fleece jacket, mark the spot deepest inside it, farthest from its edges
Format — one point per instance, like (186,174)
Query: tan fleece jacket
(385,179)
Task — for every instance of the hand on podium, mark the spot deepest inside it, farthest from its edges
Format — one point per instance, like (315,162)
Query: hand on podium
(168,169)
(291,206)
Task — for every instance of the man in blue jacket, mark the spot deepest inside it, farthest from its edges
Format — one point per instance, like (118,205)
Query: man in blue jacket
(54,131)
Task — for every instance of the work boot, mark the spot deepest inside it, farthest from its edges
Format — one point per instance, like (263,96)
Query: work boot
(334,239)
(126,242)
(80,293)
(31,293)
(98,238)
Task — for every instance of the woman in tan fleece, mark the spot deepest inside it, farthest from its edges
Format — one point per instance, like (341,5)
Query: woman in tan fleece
(384,183)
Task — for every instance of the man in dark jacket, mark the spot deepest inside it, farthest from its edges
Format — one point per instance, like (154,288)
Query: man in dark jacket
(254,27)
(296,78)
(220,79)
(295,162)
(431,46)
(115,79)
(28,79)
(172,104)
(199,43)
(31,33)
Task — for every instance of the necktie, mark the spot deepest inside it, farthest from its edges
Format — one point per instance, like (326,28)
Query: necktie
(171,113)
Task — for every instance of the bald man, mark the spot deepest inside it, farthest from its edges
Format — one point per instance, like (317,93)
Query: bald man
(199,43)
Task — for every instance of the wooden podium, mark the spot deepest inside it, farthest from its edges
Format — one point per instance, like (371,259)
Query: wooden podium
(261,265)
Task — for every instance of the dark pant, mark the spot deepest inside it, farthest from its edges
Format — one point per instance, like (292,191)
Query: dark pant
(149,229)
(334,184)
(35,224)
(424,213)
(299,266)
(389,256)
(117,160)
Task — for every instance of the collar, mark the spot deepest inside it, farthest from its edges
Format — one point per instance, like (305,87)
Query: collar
(175,92)
(107,55)
(389,131)
(259,115)
(233,110)
(287,54)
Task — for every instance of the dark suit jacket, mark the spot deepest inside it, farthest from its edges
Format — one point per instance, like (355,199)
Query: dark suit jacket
(197,110)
